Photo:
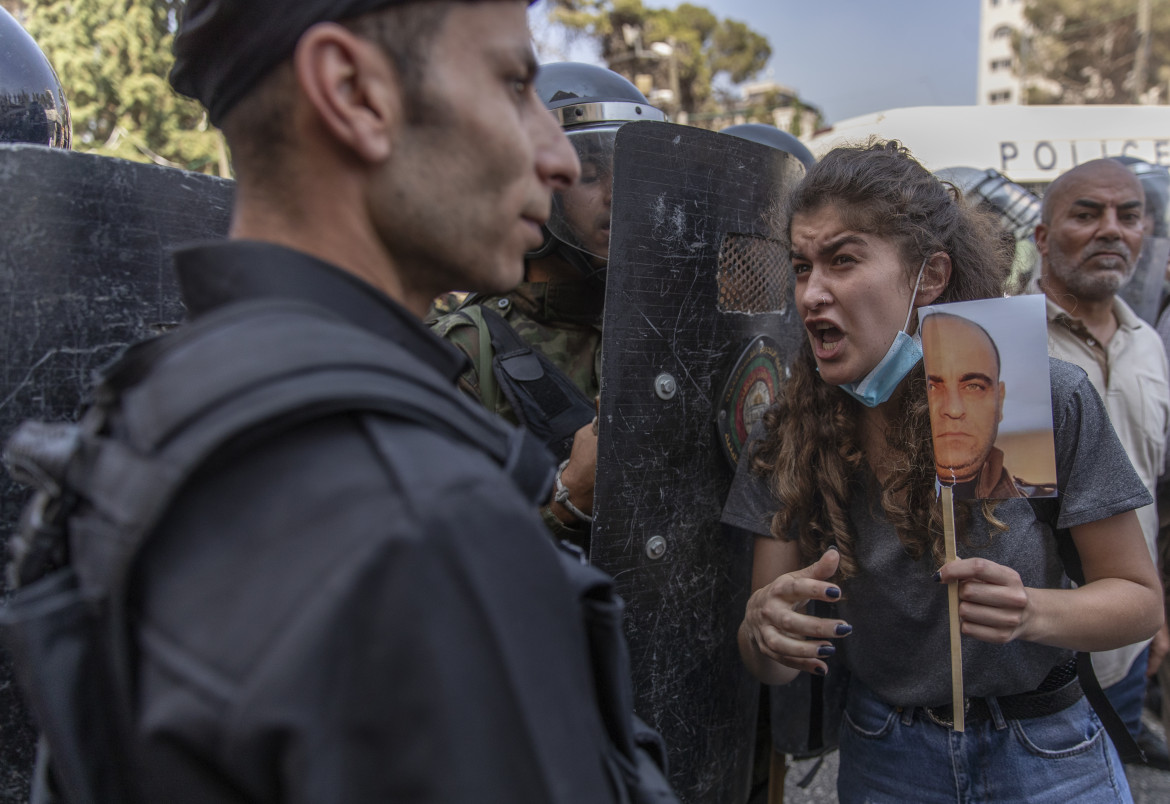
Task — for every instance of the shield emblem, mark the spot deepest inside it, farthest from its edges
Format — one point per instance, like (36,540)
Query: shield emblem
(1143,292)
(698,322)
(751,389)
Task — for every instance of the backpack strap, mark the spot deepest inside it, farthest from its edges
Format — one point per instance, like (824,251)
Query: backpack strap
(542,396)
(489,393)
(1127,747)
(263,366)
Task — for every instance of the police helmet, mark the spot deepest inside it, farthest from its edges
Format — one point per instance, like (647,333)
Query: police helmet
(591,103)
(33,108)
(1155,181)
(1017,208)
(774,138)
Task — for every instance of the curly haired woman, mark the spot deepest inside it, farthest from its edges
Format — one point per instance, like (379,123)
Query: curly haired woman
(840,493)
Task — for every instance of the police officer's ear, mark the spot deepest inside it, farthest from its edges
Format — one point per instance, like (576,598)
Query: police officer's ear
(351,88)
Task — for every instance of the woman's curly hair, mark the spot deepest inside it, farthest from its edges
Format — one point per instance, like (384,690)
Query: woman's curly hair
(811,451)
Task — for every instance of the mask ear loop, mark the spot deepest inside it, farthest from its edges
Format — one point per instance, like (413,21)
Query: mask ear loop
(914,295)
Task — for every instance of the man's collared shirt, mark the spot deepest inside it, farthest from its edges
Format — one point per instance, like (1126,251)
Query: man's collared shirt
(1131,376)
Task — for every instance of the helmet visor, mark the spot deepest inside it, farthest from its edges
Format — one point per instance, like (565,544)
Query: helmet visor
(1155,181)
(580,214)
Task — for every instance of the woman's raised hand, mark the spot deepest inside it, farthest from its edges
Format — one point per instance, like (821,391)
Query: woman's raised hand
(777,628)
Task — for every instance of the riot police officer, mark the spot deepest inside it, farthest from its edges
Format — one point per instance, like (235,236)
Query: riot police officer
(536,352)
(1015,208)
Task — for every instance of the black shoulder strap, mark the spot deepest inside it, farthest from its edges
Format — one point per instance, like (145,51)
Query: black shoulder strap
(276,363)
(1046,510)
(260,366)
(289,350)
(544,399)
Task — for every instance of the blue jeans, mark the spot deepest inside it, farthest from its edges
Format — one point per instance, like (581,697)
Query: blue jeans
(891,757)
(1129,694)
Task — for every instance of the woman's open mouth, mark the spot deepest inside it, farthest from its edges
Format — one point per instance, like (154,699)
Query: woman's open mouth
(826,338)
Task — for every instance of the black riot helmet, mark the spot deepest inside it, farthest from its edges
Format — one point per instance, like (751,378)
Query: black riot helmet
(32,103)
(773,138)
(1017,208)
(1155,181)
(591,103)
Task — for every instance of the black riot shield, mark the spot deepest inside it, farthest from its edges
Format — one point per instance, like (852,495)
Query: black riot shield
(1146,287)
(698,326)
(84,271)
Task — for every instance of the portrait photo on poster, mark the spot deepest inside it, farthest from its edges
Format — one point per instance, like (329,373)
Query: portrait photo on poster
(990,398)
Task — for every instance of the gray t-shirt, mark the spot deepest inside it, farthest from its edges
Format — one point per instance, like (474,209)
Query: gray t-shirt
(900,644)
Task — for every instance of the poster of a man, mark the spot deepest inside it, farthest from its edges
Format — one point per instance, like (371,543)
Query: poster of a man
(979,450)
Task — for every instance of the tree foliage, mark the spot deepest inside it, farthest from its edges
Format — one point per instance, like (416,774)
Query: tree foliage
(1087,51)
(112,57)
(700,45)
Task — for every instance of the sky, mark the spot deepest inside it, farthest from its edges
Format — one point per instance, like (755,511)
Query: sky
(853,57)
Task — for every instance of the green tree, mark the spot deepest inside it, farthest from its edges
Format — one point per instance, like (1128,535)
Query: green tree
(681,49)
(112,57)
(795,128)
(1095,51)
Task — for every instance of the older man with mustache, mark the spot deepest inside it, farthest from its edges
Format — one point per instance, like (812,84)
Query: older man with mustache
(1089,239)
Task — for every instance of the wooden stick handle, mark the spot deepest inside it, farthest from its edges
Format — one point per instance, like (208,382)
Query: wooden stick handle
(957,697)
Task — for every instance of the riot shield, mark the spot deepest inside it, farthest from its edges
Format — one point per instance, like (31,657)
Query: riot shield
(84,270)
(698,326)
(1144,290)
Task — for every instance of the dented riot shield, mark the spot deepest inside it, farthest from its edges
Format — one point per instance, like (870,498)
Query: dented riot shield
(84,270)
(698,326)
(1146,287)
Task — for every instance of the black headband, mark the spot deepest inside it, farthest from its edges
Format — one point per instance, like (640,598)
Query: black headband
(224,47)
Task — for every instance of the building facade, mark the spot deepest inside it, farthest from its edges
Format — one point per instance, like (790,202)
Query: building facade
(998,77)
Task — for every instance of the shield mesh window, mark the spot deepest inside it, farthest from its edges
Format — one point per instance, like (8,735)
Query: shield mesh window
(754,275)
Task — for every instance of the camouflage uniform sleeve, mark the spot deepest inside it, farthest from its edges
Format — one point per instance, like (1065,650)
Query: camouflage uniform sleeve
(467,332)
(460,331)
(467,335)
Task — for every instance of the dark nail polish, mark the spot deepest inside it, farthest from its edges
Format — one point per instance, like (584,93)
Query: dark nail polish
(820,671)
(833,592)
(833,547)
(843,629)
(937,576)
(826,650)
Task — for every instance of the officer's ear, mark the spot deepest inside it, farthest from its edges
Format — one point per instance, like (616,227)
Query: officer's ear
(351,88)
(935,276)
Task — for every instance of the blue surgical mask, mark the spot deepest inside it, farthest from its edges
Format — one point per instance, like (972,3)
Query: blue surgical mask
(903,355)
